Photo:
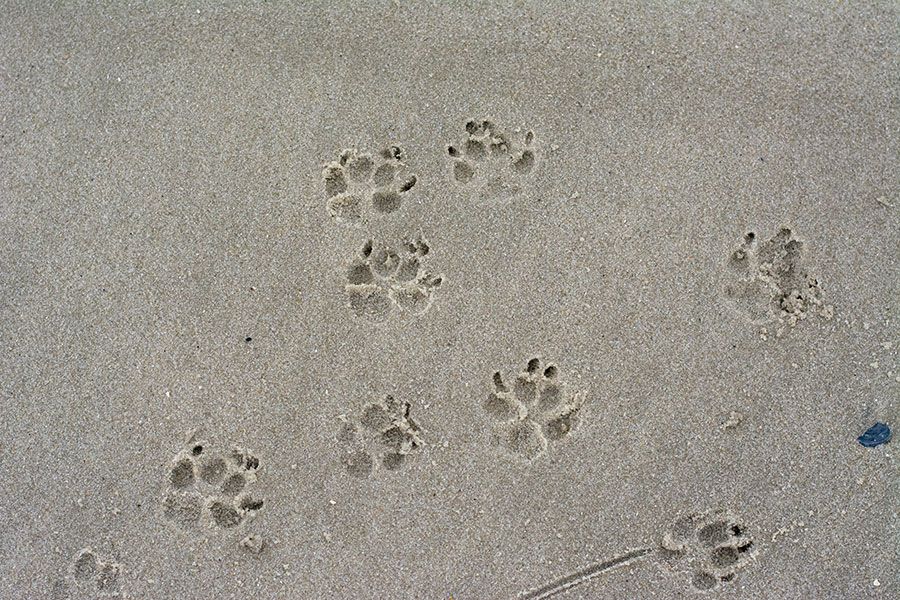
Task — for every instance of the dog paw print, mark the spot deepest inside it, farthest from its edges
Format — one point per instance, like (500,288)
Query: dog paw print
(212,487)
(381,279)
(534,413)
(359,184)
(90,576)
(709,548)
(383,436)
(491,161)
(769,281)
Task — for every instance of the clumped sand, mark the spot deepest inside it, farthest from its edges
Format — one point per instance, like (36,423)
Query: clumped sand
(406,300)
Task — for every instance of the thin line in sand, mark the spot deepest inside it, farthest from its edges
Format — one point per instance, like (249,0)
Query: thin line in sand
(584,575)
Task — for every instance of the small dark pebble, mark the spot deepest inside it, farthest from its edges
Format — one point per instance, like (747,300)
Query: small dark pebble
(877,434)
(249,339)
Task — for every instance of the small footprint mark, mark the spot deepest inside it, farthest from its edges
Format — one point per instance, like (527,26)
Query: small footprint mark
(489,160)
(769,282)
(90,576)
(359,185)
(383,436)
(213,487)
(709,548)
(382,279)
(534,413)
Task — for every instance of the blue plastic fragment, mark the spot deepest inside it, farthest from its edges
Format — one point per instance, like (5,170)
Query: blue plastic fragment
(876,435)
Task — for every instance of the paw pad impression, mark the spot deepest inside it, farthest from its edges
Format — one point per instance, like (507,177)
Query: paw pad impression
(534,412)
(770,281)
(360,184)
(383,435)
(213,486)
(382,278)
(709,548)
(491,160)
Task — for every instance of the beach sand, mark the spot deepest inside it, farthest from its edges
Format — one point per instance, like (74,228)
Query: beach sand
(449,300)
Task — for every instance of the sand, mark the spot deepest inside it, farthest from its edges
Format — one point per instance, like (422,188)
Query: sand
(449,300)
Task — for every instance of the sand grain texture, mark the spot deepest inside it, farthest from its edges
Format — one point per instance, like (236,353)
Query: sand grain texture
(459,300)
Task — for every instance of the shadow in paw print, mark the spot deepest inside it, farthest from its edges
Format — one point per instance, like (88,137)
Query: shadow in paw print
(382,279)
(490,161)
(768,282)
(203,484)
(710,548)
(358,184)
(384,435)
(183,508)
(532,413)
(91,575)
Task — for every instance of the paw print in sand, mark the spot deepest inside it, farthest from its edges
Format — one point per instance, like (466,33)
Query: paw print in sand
(358,184)
(709,548)
(770,282)
(90,576)
(382,278)
(489,160)
(385,434)
(536,412)
(209,486)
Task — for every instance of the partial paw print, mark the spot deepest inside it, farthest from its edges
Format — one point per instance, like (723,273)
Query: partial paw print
(384,436)
(382,278)
(489,160)
(534,413)
(358,185)
(211,487)
(771,284)
(90,576)
(710,548)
